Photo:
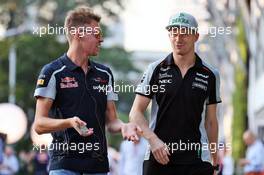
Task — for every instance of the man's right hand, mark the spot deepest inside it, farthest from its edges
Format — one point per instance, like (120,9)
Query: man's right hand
(160,150)
(78,124)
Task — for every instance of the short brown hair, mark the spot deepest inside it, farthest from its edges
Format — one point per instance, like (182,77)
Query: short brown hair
(79,16)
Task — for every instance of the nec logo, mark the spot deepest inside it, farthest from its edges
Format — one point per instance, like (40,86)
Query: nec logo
(165,81)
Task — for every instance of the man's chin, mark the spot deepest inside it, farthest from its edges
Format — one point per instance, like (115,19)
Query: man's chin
(180,52)
(95,54)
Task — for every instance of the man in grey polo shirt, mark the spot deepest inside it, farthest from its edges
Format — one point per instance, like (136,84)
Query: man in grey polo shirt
(184,91)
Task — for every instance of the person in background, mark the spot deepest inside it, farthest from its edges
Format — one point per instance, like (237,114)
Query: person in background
(25,162)
(2,145)
(40,162)
(253,163)
(10,163)
(132,157)
(113,157)
(227,162)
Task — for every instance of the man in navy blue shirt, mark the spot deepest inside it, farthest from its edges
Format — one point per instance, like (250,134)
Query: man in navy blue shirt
(75,101)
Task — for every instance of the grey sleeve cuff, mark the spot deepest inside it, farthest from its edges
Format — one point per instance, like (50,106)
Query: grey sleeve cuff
(44,92)
(111,96)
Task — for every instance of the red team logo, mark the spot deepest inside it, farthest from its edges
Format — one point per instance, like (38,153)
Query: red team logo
(68,82)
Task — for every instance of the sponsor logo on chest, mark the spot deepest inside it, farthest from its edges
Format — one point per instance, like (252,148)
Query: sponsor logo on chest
(68,82)
(164,69)
(100,80)
(200,81)
(164,75)
(199,85)
(165,81)
(165,78)
(202,75)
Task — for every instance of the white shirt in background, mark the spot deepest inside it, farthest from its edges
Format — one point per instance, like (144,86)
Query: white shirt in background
(1,150)
(12,163)
(132,157)
(255,154)
(228,165)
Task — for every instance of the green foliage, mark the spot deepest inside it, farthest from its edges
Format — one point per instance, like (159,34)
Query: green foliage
(4,47)
(32,53)
(240,111)
(241,40)
(118,58)
(240,97)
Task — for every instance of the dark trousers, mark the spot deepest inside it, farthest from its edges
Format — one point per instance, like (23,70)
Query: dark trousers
(154,168)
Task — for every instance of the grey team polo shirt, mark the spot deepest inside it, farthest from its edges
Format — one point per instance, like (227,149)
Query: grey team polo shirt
(178,106)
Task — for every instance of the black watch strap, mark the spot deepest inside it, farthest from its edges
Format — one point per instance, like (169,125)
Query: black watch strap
(216,167)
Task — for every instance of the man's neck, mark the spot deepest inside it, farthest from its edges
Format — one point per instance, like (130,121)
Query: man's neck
(184,61)
(77,58)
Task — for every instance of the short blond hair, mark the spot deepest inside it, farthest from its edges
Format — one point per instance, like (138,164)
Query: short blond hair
(80,16)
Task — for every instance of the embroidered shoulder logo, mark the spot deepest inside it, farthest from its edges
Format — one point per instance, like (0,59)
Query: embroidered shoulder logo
(40,82)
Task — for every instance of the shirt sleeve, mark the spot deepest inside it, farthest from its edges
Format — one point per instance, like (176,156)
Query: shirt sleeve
(14,164)
(214,91)
(145,87)
(46,83)
(111,94)
(257,158)
(1,150)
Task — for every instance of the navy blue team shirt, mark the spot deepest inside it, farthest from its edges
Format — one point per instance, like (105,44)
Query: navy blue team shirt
(75,93)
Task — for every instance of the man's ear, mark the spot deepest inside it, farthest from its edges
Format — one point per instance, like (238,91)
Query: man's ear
(169,33)
(76,36)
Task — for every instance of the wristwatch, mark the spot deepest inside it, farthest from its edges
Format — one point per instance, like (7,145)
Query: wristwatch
(216,167)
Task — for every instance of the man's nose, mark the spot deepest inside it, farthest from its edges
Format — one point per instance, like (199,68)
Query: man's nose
(179,37)
(101,39)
